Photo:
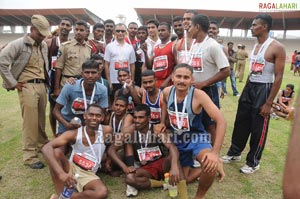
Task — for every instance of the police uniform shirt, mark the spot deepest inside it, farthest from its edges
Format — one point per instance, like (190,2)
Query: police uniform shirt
(70,57)
(34,69)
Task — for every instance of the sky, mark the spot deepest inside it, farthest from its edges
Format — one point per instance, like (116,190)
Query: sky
(105,10)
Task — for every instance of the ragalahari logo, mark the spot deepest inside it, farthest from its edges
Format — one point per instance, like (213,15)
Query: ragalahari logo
(277,7)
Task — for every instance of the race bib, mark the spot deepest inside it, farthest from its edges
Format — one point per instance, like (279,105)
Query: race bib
(174,123)
(78,105)
(149,154)
(197,62)
(160,63)
(183,57)
(155,115)
(53,62)
(121,64)
(257,66)
(85,161)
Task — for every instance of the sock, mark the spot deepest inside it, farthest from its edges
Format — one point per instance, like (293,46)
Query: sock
(156,183)
(182,189)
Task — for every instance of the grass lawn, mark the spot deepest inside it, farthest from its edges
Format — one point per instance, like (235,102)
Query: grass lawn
(21,182)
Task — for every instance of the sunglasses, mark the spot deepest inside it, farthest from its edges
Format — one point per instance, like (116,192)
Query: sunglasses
(122,31)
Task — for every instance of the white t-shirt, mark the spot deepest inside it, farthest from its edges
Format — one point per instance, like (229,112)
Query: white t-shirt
(207,58)
(150,46)
(119,57)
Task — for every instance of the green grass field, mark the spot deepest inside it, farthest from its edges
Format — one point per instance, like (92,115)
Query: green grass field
(21,182)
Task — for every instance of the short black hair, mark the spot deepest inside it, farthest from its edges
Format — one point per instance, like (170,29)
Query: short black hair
(229,43)
(143,107)
(143,28)
(123,70)
(291,86)
(98,25)
(214,22)
(154,21)
(82,23)
(148,73)
(90,64)
(266,18)
(202,21)
(184,65)
(95,106)
(109,21)
(122,98)
(67,19)
(134,23)
(166,24)
(97,57)
(177,18)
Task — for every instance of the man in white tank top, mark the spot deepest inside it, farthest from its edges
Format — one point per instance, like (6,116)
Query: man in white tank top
(267,62)
(88,147)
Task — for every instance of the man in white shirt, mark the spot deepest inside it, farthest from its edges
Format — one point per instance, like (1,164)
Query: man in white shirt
(118,55)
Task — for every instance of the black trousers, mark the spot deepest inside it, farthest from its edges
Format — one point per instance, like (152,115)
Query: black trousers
(248,122)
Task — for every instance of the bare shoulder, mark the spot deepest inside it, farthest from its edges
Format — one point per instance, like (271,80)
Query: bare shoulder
(200,96)
(166,91)
(277,47)
(68,136)
(199,92)
(128,117)
(107,129)
(276,51)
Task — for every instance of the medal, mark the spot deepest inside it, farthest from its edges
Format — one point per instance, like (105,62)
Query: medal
(179,131)
(143,158)
(179,119)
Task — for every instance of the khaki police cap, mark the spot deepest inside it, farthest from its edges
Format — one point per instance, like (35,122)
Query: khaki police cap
(41,23)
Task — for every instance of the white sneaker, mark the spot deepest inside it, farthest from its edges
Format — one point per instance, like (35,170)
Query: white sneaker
(249,170)
(274,116)
(131,191)
(196,164)
(228,159)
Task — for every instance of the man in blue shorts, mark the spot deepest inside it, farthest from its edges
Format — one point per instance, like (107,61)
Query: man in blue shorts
(184,105)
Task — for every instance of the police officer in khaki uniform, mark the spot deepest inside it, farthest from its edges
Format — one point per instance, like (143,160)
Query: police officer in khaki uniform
(241,56)
(71,55)
(24,66)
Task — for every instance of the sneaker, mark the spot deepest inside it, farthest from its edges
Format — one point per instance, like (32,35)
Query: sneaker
(274,116)
(249,170)
(237,95)
(228,158)
(131,191)
(196,164)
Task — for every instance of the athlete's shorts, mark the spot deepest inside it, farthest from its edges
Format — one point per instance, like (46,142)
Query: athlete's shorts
(191,149)
(155,168)
(212,92)
(84,176)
